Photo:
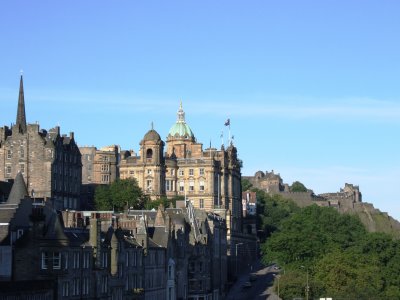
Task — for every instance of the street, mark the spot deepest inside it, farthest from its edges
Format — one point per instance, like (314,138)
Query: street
(261,287)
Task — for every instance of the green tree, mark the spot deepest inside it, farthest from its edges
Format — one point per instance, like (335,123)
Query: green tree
(102,199)
(120,195)
(272,210)
(309,234)
(246,185)
(297,186)
(347,274)
(166,202)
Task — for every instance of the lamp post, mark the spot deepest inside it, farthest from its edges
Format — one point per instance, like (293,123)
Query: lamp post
(236,256)
(307,286)
(278,277)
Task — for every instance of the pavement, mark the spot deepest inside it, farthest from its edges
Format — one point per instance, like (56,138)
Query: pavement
(261,288)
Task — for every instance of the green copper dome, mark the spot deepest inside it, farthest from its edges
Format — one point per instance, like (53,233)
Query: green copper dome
(180,129)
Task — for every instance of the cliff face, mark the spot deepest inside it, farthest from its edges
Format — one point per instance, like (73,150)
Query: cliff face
(374,219)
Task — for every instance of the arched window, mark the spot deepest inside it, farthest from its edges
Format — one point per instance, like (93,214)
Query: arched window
(149,154)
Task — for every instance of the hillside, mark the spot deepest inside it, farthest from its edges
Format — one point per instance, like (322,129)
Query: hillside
(347,200)
(374,220)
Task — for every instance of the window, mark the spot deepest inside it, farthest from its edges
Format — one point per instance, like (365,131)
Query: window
(105,178)
(201,170)
(45,260)
(201,186)
(21,152)
(105,168)
(191,172)
(66,261)
(149,154)
(75,286)
(149,184)
(104,284)
(181,172)
(20,232)
(172,172)
(76,260)
(181,186)
(191,186)
(149,172)
(9,154)
(65,289)
(201,203)
(131,172)
(8,169)
(127,259)
(86,260)
(22,168)
(85,286)
(168,185)
(56,260)
(104,261)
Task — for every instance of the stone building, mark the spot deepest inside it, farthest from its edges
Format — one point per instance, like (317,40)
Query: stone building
(268,181)
(49,162)
(210,178)
(99,166)
(196,251)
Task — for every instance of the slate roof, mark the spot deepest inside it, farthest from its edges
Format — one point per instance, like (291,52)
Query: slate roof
(18,190)
(160,236)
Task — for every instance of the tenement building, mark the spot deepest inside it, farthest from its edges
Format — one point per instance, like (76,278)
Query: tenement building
(50,163)
(210,178)
(99,166)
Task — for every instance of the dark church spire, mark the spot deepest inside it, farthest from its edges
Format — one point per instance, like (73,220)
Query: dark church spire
(21,119)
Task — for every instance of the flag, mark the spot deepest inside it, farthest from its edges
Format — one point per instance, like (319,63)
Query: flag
(228,122)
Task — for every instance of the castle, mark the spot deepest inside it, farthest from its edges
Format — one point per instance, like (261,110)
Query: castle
(272,183)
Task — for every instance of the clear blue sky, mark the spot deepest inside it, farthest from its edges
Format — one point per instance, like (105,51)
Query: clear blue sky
(311,87)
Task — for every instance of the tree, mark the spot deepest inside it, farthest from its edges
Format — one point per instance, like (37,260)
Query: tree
(310,233)
(297,186)
(166,202)
(347,274)
(102,198)
(120,195)
(272,210)
(246,185)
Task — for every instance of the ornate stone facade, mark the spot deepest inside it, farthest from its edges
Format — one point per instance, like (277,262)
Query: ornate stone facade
(210,178)
(49,162)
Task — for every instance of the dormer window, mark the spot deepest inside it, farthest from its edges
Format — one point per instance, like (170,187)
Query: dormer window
(20,232)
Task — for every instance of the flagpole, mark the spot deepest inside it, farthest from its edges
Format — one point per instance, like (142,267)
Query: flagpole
(229,129)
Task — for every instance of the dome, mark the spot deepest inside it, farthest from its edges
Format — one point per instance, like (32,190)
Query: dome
(152,135)
(180,129)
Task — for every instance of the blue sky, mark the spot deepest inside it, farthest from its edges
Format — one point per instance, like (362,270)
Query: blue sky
(311,87)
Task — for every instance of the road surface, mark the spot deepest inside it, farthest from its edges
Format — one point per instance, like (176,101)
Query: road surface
(261,288)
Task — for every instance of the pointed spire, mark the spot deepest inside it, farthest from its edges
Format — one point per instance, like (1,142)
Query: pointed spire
(21,119)
(159,221)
